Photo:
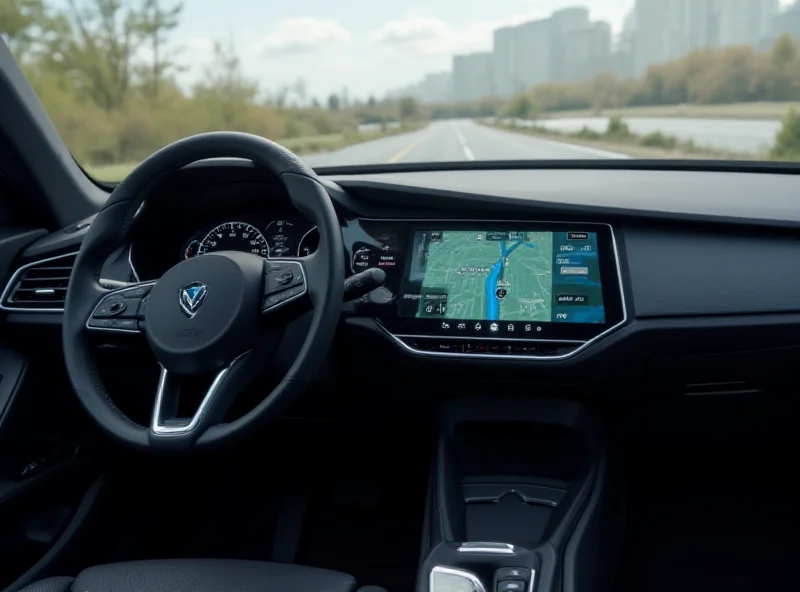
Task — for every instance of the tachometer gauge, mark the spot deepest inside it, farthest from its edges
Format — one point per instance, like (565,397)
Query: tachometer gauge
(281,236)
(234,236)
(309,243)
(191,249)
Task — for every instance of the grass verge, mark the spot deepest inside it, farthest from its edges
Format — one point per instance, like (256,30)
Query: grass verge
(756,110)
(111,173)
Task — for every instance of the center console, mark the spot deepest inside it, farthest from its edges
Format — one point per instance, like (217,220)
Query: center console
(520,499)
(490,288)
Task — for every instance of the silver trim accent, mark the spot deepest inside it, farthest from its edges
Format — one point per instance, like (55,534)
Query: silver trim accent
(460,573)
(489,548)
(15,277)
(114,293)
(293,298)
(533,579)
(302,238)
(158,428)
(479,338)
(585,344)
(130,262)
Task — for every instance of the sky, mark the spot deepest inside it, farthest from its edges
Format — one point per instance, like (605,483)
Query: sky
(367,46)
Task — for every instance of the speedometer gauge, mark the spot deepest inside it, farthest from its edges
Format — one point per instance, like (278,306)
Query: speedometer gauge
(234,236)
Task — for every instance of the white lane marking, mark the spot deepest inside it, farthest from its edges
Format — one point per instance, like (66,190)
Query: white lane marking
(463,141)
(459,135)
(586,149)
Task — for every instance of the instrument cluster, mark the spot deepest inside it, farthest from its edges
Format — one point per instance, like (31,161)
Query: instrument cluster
(287,237)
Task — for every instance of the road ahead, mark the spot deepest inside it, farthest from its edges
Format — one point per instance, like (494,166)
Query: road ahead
(454,140)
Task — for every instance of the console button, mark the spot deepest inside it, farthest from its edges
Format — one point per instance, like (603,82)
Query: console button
(511,586)
(514,573)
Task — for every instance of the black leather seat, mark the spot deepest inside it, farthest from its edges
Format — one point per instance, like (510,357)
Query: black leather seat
(201,575)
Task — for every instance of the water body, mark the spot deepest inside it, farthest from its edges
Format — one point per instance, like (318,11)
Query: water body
(737,135)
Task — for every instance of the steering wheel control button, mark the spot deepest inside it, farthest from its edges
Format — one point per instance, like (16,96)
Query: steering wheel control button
(117,308)
(137,293)
(511,586)
(284,277)
(118,324)
(283,281)
(514,573)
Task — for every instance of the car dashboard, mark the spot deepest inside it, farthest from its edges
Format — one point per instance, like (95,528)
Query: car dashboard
(607,272)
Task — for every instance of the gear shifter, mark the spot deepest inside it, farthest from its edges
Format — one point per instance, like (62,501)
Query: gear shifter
(479,567)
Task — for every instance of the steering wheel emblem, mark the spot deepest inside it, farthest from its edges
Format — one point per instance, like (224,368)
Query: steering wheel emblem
(191,297)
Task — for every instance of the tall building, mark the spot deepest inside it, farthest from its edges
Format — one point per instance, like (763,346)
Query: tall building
(504,61)
(622,55)
(434,88)
(745,22)
(587,52)
(664,29)
(669,29)
(532,54)
(560,24)
(472,76)
(788,22)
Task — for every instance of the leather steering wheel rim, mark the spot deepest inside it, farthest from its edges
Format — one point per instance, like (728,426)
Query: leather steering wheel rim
(111,229)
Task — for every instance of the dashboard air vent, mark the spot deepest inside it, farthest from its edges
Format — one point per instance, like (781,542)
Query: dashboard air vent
(40,286)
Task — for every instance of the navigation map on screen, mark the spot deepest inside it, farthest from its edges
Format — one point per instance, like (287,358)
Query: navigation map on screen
(505,276)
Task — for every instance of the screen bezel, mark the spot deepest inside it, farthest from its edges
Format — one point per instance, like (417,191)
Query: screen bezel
(608,258)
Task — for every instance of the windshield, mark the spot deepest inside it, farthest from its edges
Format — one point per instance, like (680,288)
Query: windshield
(365,82)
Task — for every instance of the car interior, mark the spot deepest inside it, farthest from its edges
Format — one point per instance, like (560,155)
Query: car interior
(229,372)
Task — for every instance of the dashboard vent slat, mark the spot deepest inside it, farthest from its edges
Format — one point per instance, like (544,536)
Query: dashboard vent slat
(40,286)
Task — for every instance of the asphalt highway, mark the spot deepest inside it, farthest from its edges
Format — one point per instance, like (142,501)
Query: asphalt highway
(455,140)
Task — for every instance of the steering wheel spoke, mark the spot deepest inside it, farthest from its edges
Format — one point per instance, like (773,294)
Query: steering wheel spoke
(222,388)
(121,311)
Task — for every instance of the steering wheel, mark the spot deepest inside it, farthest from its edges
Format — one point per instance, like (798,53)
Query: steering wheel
(221,314)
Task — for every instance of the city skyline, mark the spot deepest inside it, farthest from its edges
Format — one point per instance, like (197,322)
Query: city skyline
(570,45)
(366,47)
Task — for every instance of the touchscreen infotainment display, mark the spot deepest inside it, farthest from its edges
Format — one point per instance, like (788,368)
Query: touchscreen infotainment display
(512,279)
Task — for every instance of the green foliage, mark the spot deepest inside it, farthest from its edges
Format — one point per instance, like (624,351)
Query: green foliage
(659,140)
(704,77)
(787,142)
(409,109)
(105,72)
(617,129)
(521,106)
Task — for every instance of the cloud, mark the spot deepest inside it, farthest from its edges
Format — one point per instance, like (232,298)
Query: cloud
(301,35)
(432,36)
(417,33)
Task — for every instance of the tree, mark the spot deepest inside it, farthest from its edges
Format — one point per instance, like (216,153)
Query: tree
(521,106)
(787,142)
(95,42)
(155,22)
(372,102)
(334,102)
(18,22)
(226,91)
(409,108)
